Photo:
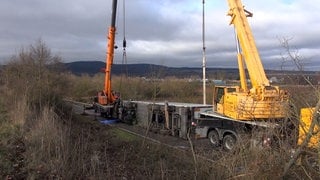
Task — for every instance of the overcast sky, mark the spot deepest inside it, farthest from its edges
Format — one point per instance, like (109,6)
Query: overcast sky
(164,32)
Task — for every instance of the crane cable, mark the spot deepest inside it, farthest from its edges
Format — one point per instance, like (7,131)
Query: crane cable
(124,45)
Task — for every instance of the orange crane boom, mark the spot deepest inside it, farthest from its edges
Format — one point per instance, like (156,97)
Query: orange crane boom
(106,96)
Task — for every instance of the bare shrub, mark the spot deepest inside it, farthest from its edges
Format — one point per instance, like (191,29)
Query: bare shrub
(247,163)
(307,97)
(28,74)
(31,89)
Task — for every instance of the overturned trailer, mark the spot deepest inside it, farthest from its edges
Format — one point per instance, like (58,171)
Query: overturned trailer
(164,117)
(179,119)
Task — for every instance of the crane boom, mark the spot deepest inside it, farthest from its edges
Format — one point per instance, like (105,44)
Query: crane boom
(249,50)
(106,97)
(110,52)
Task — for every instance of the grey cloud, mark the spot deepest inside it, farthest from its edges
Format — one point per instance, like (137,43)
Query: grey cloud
(76,30)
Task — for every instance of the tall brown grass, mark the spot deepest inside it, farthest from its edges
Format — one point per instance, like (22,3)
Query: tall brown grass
(137,88)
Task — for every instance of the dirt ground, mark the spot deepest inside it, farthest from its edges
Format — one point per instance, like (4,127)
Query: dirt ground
(104,152)
(120,151)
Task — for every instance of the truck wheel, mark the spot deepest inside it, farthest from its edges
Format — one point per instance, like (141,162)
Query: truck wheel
(229,142)
(214,138)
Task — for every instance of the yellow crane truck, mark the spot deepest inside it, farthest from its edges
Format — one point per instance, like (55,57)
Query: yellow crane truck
(244,108)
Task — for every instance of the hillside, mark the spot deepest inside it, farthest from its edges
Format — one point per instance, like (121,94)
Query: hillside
(150,70)
(93,67)
(158,71)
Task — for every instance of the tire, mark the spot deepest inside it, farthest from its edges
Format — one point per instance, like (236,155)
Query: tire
(214,138)
(229,142)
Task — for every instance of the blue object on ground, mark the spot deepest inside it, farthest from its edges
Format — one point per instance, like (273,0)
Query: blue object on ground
(109,121)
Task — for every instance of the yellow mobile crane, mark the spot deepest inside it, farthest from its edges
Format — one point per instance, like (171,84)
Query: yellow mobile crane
(238,109)
(261,101)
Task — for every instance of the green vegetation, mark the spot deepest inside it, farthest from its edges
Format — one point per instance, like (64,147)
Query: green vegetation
(124,136)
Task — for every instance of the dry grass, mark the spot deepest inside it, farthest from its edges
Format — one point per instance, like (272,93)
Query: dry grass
(47,144)
(136,88)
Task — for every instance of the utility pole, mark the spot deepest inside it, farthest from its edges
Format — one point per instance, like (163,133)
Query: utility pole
(203,55)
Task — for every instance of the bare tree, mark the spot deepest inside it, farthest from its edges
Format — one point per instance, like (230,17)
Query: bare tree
(294,57)
(30,73)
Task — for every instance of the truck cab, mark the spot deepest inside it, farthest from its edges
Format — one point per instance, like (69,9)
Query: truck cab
(219,94)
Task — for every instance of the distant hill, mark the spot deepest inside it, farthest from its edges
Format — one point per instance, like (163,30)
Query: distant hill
(94,67)
(84,67)
(157,71)
(149,70)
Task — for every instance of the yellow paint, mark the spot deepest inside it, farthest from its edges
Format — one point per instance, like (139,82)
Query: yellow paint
(305,122)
